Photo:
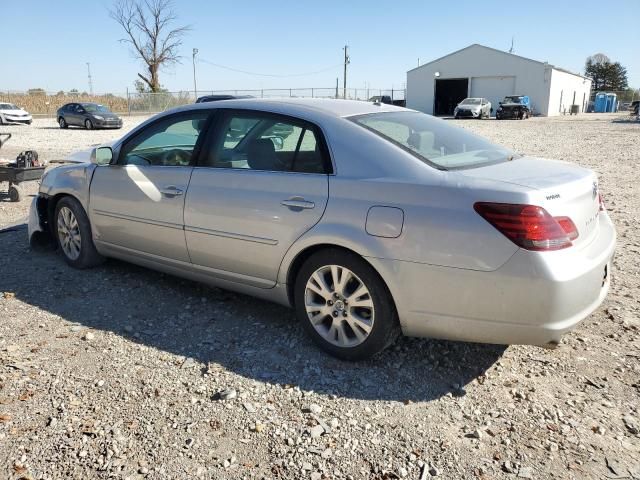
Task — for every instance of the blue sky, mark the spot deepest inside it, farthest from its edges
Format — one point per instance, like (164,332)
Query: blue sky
(53,40)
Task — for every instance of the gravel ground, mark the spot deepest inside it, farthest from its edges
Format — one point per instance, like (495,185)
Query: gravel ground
(121,372)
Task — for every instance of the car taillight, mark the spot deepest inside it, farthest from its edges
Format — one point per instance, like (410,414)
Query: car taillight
(529,226)
(601,202)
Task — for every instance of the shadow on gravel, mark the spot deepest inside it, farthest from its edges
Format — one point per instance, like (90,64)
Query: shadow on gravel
(249,337)
(630,119)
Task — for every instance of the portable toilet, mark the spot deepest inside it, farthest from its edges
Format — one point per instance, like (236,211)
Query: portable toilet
(600,103)
(612,102)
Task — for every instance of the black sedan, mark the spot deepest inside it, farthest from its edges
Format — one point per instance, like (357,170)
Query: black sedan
(87,115)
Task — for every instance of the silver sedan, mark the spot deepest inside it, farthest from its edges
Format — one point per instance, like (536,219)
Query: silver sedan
(368,219)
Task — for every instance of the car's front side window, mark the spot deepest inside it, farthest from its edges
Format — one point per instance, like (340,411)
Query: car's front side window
(257,141)
(168,142)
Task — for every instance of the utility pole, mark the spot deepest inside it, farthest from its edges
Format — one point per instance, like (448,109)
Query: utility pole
(347,60)
(90,80)
(337,83)
(511,49)
(195,86)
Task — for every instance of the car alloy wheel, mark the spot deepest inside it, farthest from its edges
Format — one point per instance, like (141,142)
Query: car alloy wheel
(88,124)
(339,306)
(62,122)
(69,233)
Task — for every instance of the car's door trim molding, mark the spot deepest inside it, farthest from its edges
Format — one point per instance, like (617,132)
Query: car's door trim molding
(235,236)
(132,218)
(137,256)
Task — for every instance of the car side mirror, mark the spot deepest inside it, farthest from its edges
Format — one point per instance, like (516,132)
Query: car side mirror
(278,142)
(102,155)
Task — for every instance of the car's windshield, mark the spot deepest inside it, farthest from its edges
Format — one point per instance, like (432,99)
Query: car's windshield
(512,99)
(470,101)
(94,108)
(433,140)
(8,106)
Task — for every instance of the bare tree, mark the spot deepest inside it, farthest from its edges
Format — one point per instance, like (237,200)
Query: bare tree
(598,59)
(148,25)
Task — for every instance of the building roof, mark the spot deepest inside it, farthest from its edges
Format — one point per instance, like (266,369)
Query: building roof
(502,52)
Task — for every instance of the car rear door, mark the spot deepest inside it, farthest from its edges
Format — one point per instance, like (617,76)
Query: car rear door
(136,204)
(261,184)
(71,115)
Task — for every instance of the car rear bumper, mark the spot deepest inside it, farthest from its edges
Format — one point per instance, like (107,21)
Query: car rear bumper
(534,298)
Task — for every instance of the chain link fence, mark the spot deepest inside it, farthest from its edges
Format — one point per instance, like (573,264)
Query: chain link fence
(40,102)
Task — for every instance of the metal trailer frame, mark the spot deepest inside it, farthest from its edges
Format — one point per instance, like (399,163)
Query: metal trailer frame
(15,176)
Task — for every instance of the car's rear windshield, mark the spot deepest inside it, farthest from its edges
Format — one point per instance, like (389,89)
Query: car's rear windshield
(94,107)
(433,141)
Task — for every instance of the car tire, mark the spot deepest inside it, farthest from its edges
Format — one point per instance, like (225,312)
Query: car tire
(63,123)
(1,120)
(342,330)
(72,230)
(88,124)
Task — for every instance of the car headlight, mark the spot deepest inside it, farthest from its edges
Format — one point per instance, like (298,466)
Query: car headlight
(98,117)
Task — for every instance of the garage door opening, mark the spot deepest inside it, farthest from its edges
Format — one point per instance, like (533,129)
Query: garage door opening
(449,93)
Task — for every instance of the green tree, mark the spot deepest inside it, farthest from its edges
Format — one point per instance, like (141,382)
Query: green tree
(606,75)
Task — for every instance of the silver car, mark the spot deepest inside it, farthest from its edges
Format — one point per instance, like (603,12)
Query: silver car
(368,219)
(473,108)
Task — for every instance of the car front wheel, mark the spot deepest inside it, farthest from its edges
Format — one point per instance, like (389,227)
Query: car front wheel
(344,305)
(62,122)
(88,124)
(73,234)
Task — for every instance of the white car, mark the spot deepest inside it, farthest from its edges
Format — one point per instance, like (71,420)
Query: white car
(473,108)
(10,113)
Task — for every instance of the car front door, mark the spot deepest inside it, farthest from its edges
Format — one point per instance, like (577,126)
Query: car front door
(136,203)
(261,183)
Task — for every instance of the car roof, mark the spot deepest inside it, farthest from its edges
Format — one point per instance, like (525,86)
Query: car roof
(296,106)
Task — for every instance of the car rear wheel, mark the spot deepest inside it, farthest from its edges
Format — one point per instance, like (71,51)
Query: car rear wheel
(73,234)
(62,122)
(88,124)
(344,305)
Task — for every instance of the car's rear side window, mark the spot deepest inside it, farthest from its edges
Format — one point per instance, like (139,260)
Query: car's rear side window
(264,141)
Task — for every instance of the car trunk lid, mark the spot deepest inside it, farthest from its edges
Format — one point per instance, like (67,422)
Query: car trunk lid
(563,189)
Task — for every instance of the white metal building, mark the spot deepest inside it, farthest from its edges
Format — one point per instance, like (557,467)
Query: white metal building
(478,71)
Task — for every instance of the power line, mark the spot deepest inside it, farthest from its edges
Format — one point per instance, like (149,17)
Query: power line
(246,72)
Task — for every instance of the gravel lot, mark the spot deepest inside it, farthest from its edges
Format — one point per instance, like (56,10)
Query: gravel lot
(121,372)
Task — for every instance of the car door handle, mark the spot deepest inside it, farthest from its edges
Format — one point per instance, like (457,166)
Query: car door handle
(297,203)
(171,191)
